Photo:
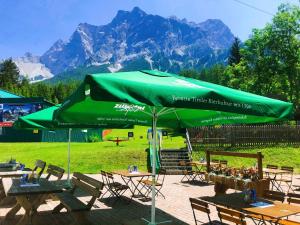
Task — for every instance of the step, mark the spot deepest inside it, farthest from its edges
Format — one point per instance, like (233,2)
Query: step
(174,172)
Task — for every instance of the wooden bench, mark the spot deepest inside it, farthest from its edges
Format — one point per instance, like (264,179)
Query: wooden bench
(72,204)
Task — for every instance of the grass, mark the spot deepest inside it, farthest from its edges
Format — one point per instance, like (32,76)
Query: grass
(89,157)
(281,156)
(92,157)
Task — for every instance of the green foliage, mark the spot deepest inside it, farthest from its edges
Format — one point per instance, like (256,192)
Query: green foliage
(270,63)
(9,74)
(235,54)
(93,138)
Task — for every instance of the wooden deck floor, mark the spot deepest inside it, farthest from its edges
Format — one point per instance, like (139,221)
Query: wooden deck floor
(107,211)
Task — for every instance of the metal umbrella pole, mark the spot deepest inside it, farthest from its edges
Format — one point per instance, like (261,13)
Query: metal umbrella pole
(69,155)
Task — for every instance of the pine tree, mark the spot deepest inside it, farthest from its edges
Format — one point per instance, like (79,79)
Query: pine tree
(9,74)
(235,54)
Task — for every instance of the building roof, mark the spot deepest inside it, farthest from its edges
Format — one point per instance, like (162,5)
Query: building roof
(6,94)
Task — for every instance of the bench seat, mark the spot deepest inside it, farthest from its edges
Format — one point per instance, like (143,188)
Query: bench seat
(71,203)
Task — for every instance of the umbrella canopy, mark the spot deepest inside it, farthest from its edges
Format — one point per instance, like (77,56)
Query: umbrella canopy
(43,120)
(163,99)
(130,97)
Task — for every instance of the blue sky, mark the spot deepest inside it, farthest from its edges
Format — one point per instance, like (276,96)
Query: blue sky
(34,25)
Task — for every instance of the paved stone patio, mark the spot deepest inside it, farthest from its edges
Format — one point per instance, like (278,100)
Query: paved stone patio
(107,211)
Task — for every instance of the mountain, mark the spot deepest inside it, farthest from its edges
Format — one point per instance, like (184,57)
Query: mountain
(31,67)
(135,40)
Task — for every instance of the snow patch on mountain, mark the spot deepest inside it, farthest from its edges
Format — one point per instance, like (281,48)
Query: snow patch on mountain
(31,68)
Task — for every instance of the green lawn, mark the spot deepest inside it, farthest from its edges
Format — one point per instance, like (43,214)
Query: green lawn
(92,157)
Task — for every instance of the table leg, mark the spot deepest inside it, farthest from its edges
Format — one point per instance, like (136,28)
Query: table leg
(128,182)
(136,188)
(30,205)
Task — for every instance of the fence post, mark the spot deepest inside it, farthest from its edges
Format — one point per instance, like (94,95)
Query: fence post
(207,161)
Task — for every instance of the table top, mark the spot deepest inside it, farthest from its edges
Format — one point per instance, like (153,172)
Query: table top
(236,201)
(275,171)
(125,173)
(14,173)
(12,187)
(203,163)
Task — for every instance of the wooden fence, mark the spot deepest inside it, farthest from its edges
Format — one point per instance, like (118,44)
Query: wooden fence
(244,136)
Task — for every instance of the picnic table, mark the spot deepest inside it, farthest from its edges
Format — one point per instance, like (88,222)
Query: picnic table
(275,173)
(29,197)
(127,177)
(273,209)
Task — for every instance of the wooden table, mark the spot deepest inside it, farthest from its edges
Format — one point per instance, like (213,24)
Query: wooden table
(205,163)
(275,173)
(29,197)
(127,177)
(277,210)
(14,173)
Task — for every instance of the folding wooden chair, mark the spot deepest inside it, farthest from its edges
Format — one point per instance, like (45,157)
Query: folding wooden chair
(286,178)
(200,205)
(197,173)
(159,181)
(186,170)
(231,215)
(293,198)
(115,188)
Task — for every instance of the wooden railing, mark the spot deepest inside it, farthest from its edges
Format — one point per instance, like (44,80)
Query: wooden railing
(244,136)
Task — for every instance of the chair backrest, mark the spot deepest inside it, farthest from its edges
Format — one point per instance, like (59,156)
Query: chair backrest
(56,171)
(224,162)
(200,205)
(274,195)
(88,185)
(231,216)
(288,168)
(293,198)
(161,176)
(103,175)
(109,178)
(269,166)
(39,164)
(215,160)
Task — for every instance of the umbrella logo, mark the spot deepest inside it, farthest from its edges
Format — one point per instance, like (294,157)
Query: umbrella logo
(128,108)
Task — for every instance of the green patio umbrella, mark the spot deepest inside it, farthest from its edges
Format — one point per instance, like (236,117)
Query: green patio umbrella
(43,120)
(166,100)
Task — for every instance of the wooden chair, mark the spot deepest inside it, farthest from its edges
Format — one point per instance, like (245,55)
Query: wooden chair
(72,204)
(104,181)
(115,188)
(200,205)
(274,195)
(223,163)
(55,171)
(286,178)
(187,172)
(293,198)
(39,166)
(160,178)
(231,216)
(269,166)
